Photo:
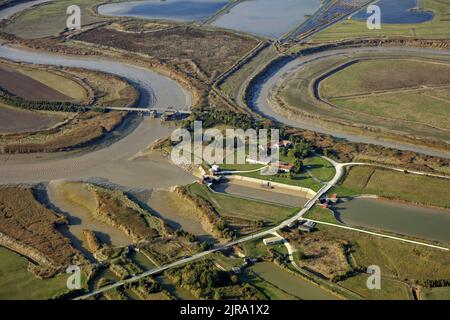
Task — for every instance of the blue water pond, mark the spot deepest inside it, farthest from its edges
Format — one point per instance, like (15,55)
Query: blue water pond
(398,12)
(177,10)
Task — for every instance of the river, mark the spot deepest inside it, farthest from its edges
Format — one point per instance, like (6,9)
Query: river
(111,163)
(265,88)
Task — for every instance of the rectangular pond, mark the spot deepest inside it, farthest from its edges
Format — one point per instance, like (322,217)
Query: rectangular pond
(290,283)
(176,10)
(406,219)
(267,18)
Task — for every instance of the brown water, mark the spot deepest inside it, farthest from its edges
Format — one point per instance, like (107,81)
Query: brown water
(77,203)
(290,283)
(178,214)
(254,191)
(177,291)
(142,261)
(406,219)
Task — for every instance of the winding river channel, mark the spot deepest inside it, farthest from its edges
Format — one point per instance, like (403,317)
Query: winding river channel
(113,163)
(263,88)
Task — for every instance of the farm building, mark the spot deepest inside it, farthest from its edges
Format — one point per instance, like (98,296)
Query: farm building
(272,241)
(308,226)
(283,166)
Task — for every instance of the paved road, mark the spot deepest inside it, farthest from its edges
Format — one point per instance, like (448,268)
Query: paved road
(113,162)
(381,235)
(339,173)
(340,170)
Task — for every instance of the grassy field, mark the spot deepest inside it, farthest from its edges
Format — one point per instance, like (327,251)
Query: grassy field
(55,81)
(226,262)
(400,85)
(381,95)
(435,293)
(315,171)
(290,283)
(390,289)
(396,185)
(435,29)
(320,214)
(319,168)
(17,283)
(240,167)
(367,76)
(407,106)
(300,180)
(396,259)
(255,248)
(50,19)
(269,290)
(230,206)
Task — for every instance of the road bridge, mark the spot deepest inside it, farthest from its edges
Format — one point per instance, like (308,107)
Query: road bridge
(149,110)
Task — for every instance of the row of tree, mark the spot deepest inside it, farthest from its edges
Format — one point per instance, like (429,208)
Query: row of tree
(61,106)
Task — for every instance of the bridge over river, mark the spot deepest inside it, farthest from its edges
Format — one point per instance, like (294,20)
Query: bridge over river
(150,110)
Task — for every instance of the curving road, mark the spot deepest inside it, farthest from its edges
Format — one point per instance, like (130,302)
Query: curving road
(340,171)
(113,163)
(262,103)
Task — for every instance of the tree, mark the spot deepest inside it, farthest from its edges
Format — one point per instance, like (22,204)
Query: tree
(298,166)
(292,153)
(302,150)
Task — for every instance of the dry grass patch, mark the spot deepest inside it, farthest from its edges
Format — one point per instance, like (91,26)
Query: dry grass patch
(115,208)
(325,256)
(77,130)
(27,227)
(82,130)
(164,250)
(397,185)
(366,76)
(199,52)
